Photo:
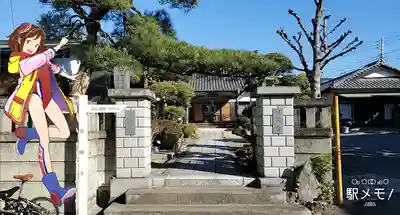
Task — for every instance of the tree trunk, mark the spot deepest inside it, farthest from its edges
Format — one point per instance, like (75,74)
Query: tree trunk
(186,118)
(93,25)
(81,84)
(316,83)
(145,77)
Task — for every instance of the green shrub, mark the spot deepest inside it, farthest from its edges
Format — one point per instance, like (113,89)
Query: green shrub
(189,130)
(321,165)
(171,134)
(174,112)
(173,92)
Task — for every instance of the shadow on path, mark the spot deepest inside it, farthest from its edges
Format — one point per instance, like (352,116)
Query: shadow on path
(211,154)
(371,154)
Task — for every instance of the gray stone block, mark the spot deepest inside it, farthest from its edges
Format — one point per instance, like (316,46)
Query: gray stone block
(289,100)
(290,141)
(123,172)
(131,142)
(123,153)
(290,161)
(131,162)
(267,130)
(270,151)
(322,145)
(264,161)
(278,141)
(144,122)
(144,104)
(141,152)
(120,122)
(289,120)
(142,112)
(276,91)
(141,172)
(278,161)
(120,162)
(288,111)
(267,110)
(266,120)
(271,172)
(119,142)
(131,94)
(131,103)
(144,161)
(286,151)
(140,132)
(288,130)
(277,100)
(144,141)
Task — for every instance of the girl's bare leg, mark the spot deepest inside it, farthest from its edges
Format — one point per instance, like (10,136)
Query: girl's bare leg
(57,117)
(38,117)
(53,112)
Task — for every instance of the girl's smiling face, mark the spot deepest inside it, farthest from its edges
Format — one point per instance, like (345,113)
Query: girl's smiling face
(31,45)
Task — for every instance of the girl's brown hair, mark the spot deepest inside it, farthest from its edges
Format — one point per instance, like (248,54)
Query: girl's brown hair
(26,30)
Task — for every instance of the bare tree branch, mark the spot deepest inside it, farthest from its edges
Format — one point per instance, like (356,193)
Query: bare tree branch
(324,35)
(108,36)
(298,50)
(80,12)
(302,57)
(350,47)
(136,10)
(336,27)
(291,12)
(352,43)
(335,44)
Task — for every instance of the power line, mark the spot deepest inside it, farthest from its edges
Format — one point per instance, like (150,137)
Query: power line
(353,66)
(12,14)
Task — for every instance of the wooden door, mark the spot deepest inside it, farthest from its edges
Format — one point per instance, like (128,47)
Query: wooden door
(226,112)
(198,112)
(233,111)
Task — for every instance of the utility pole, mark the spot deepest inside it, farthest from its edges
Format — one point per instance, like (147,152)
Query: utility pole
(381,48)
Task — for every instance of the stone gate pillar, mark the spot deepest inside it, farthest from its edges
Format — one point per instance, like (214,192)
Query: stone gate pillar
(274,129)
(133,132)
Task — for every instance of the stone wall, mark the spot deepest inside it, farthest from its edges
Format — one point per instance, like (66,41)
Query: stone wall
(275,149)
(313,128)
(63,155)
(133,132)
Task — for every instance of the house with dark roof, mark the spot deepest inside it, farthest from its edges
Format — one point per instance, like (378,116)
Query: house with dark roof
(217,99)
(369,96)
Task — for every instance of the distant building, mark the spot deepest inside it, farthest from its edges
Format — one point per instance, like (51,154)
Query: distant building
(369,96)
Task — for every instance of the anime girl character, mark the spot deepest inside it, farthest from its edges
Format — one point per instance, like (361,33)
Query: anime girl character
(37,92)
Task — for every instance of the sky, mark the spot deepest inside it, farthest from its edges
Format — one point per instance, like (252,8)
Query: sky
(235,24)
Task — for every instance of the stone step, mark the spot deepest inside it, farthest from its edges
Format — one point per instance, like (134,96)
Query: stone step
(203,209)
(205,195)
(118,186)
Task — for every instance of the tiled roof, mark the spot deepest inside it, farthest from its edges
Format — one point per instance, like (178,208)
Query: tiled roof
(205,83)
(356,80)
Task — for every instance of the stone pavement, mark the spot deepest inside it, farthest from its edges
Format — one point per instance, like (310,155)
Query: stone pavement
(371,154)
(209,157)
(203,181)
